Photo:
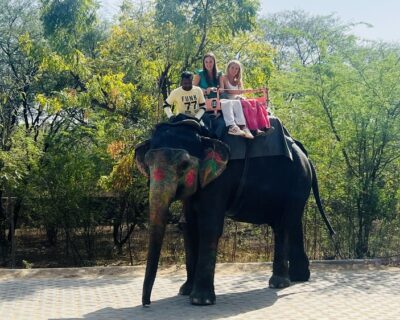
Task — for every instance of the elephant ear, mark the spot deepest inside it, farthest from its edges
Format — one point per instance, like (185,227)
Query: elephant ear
(216,156)
(140,151)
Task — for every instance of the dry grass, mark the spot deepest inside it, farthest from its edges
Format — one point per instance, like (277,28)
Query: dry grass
(240,243)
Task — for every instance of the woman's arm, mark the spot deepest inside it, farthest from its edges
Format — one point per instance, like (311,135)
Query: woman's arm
(224,81)
(221,82)
(232,91)
(240,87)
(196,82)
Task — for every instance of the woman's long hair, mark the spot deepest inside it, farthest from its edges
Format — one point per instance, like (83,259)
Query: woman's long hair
(214,70)
(238,76)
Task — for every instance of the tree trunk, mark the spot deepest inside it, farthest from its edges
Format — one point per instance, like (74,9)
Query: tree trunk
(51,234)
(16,209)
(3,222)
(4,244)
(67,242)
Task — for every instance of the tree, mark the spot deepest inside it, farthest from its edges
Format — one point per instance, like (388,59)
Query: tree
(65,188)
(19,119)
(68,24)
(48,87)
(346,90)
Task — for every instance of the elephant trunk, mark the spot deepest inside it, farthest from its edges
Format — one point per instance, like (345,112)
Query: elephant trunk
(160,200)
(153,256)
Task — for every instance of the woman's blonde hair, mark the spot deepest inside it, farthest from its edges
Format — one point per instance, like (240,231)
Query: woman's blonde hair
(238,76)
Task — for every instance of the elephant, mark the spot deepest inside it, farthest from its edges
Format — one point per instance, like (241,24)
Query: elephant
(183,165)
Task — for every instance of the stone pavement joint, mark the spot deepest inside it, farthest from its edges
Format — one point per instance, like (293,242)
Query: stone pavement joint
(345,290)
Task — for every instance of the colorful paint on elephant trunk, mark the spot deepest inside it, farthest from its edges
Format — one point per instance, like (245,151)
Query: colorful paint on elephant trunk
(162,193)
(158,175)
(173,175)
(163,185)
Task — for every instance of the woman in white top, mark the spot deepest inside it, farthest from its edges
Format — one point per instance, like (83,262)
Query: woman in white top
(232,110)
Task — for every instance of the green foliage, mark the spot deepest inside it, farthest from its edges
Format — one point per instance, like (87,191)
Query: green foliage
(71,168)
(17,162)
(69,23)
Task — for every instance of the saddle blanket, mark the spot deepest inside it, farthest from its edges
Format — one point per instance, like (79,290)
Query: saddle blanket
(276,143)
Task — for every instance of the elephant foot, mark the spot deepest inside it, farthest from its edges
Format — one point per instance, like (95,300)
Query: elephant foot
(299,274)
(278,282)
(146,302)
(186,288)
(202,298)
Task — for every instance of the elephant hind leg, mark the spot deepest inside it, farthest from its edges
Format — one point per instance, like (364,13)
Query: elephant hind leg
(299,274)
(186,288)
(280,274)
(298,261)
(299,270)
(277,282)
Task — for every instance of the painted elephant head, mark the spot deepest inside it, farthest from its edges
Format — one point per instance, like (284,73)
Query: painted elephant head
(177,161)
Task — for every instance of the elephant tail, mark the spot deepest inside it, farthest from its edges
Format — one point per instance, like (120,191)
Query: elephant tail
(318,200)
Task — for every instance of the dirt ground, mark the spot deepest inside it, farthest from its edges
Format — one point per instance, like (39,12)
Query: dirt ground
(34,251)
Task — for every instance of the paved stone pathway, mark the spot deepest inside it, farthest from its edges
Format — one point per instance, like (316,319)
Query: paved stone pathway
(334,292)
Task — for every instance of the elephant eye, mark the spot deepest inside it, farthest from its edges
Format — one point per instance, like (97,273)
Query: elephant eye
(183,165)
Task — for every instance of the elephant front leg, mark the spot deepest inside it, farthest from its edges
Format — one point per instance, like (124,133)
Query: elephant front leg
(191,252)
(210,225)
(210,211)
(280,270)
(203,289)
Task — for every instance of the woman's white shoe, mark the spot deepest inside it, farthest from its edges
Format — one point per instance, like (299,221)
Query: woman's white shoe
(247,133)
(236,131)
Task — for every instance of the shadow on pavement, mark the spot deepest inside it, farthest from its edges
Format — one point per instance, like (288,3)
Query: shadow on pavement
(179,308)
